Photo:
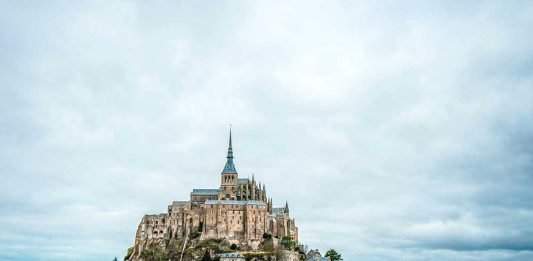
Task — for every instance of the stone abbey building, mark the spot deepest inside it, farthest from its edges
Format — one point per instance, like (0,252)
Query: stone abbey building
(238,211)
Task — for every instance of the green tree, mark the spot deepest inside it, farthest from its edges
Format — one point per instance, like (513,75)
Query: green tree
(288,243)
(333,255)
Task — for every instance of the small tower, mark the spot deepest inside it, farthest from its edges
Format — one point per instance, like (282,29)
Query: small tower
(264,194)
(286,208)
(228,187)
(253,188)
(259,192)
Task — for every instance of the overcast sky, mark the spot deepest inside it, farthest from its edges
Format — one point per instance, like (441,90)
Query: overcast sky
(396,131)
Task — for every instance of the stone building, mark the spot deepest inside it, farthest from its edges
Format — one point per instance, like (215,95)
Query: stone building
(314,255)
(238,211)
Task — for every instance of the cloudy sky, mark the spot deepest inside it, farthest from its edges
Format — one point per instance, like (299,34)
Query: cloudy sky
(396,130)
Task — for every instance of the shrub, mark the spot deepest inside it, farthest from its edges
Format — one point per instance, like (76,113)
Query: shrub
(195,234)
(268,246)
(287,242)
(154,253)
(130,251)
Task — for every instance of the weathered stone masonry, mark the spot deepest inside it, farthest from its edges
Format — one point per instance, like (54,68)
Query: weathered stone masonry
(238,211)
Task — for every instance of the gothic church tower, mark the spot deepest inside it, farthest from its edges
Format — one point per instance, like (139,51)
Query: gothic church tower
(229,176)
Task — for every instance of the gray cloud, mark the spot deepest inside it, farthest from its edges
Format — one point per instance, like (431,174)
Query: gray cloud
(396,131)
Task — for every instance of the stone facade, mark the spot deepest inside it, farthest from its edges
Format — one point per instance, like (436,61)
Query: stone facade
(239,211)
(314,255)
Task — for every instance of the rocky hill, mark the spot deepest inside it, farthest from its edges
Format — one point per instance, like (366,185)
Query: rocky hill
(209,249)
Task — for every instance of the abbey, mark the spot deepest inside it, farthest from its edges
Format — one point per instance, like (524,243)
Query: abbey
(238,211)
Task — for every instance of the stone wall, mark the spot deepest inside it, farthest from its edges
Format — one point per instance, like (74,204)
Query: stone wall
(240,222)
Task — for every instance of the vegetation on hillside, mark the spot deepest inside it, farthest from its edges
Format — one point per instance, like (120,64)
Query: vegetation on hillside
(269,249)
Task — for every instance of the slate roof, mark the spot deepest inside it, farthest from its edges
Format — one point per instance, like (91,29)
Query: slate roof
(318,259)
(180,202)
(235,202)
(243,181)
(229,167)
(202,192)
(278,210)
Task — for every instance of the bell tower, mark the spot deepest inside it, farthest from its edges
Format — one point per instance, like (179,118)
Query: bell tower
(228,182)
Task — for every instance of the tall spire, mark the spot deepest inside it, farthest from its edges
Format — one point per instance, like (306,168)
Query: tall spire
(229,167)
(230,149)
(286,207)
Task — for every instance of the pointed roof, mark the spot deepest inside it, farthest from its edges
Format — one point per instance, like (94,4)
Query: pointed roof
(229,167)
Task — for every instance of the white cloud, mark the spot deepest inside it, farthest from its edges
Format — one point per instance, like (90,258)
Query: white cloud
(405,125)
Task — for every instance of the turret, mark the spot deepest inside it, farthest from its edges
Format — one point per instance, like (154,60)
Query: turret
(253,188)
(259,192)
(264,194)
